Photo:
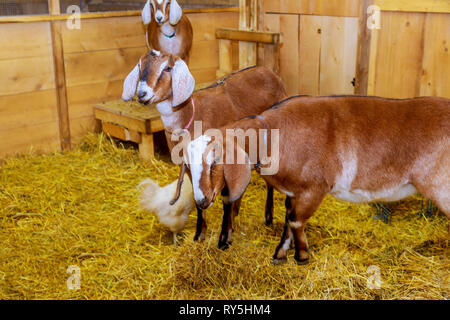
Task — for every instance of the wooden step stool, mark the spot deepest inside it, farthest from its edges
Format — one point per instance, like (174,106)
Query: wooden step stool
(130,121)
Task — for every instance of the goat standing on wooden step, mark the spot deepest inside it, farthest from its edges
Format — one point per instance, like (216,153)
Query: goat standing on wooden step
(358,149)
(165,80)
(169,31)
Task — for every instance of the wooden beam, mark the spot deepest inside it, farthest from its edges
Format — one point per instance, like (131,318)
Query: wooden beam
(248,36)
(96,15)
(121,132)
(363,54)
(436,6)
(60,78)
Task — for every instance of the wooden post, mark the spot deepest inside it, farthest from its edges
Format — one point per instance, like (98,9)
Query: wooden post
(260,27)
(60,76)
(225,58)
(247,21)
(146,147)
(363,54)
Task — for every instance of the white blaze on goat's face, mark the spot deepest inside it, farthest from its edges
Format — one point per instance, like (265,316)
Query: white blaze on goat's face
(195,150)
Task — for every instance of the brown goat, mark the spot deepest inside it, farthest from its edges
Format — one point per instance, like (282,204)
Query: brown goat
(165,80)
(169,31)
(358,149)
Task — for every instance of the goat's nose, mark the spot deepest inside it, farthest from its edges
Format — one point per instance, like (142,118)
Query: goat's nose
(201,203)
(141,94)
(159,19)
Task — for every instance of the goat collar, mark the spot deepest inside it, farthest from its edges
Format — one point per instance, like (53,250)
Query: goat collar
(170,36)
(193,113)
(258,164)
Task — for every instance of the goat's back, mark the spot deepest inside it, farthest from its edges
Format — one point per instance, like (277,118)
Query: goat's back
(382,141)
(246,92)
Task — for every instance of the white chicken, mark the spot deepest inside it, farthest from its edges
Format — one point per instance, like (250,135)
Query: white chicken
(155,199)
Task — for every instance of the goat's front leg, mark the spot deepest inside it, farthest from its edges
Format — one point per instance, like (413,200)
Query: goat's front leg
(230,211)
(200,232)
(268,213)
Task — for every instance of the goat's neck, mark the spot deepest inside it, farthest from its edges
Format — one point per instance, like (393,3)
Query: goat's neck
(175,118)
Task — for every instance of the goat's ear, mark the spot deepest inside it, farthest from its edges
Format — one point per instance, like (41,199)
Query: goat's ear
(147,13)
(237,176)
(175,12)
(183,83)
(130,83)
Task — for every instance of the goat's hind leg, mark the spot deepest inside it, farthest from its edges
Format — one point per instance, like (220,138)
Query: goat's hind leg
(280,255)
(435,184)
(305,205)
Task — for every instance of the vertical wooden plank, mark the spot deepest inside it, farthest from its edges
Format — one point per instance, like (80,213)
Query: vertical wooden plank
(247,21)
(260,27)
(225,58)
(373,53)
(60,78)
(399,55)
(363,53)
(338,55)
(435,76)
(289,62)
(53,7)
(309,54)
(272,54)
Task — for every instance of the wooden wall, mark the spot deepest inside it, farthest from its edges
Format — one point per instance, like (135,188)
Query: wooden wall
(97,58)
(318,55)
(321,52)
(324,49)
(28,115)
(409,55)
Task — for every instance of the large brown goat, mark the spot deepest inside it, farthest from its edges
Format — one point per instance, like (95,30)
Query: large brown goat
(165,80)
(358,149)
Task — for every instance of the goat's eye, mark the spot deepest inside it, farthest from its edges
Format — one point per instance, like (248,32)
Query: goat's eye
(168,69)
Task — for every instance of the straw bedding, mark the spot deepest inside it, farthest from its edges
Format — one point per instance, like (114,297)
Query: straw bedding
(80,208)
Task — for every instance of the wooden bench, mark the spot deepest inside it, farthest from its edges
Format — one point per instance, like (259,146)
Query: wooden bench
(130,121)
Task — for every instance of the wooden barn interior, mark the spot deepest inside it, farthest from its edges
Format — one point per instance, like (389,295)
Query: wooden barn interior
(59,84)
(54,76)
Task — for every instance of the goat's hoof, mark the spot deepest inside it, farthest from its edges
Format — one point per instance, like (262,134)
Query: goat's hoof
(302,262)
(199,237)
(224,245)
(277,261)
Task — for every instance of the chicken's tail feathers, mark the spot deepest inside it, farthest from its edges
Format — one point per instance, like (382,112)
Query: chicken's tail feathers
(147,183)
(147,189)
